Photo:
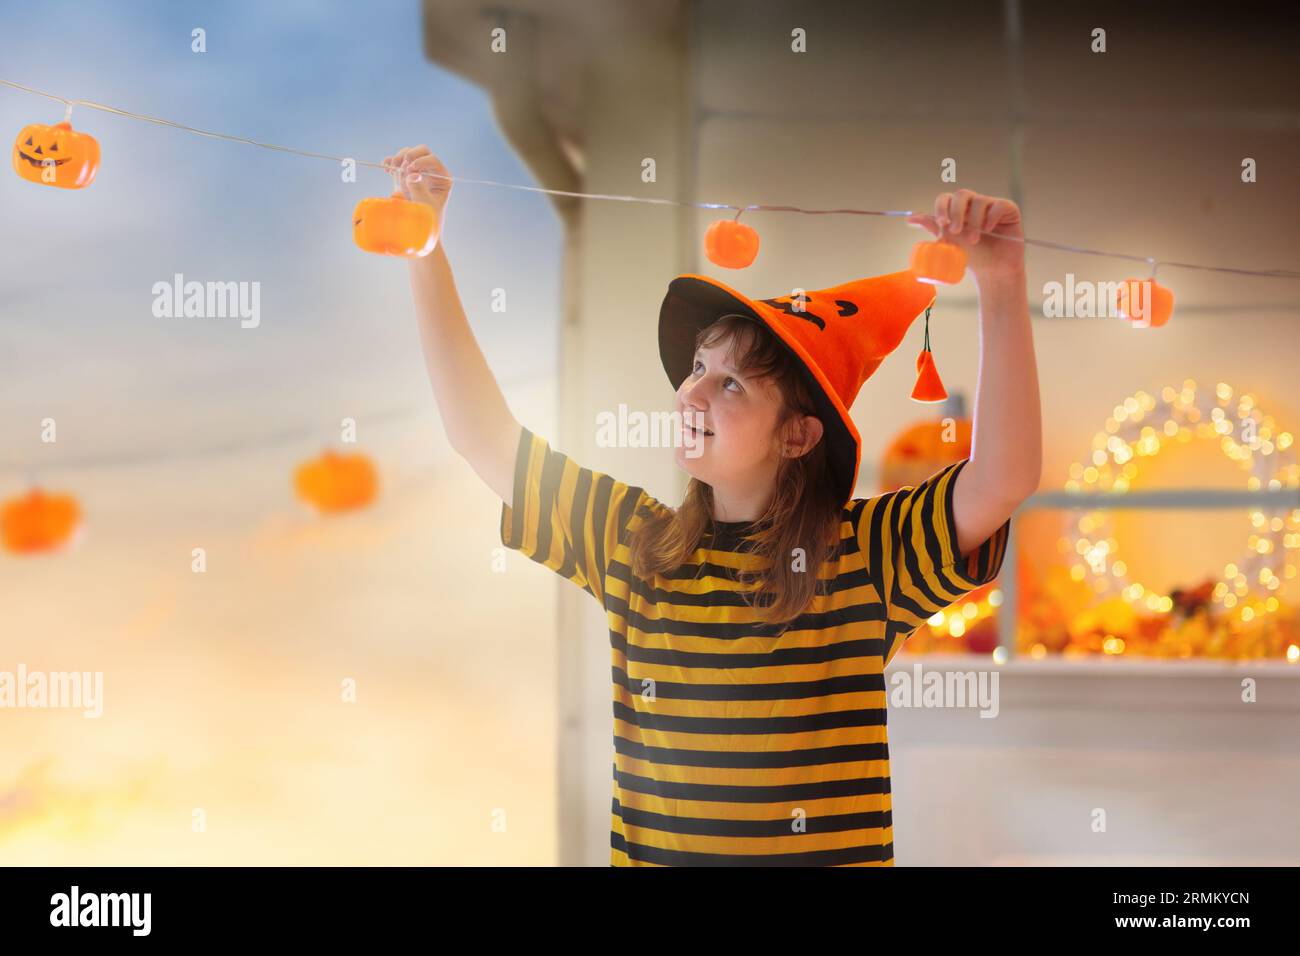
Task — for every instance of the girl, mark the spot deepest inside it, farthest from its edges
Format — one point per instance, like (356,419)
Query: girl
(750,627)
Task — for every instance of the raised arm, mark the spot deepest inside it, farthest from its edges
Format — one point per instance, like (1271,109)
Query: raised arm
(1007,433)
(478,422)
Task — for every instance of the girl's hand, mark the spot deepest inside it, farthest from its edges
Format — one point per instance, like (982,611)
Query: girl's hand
(418,172)
(958,217)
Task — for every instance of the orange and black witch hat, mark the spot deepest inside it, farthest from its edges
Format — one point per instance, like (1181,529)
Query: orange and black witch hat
(840,335)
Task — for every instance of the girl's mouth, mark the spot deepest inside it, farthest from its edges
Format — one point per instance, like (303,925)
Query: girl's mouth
(694,432)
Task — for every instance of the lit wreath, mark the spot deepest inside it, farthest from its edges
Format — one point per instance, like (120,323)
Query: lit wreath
(1245,435)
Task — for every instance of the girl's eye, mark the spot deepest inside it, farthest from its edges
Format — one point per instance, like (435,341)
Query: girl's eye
(699,365)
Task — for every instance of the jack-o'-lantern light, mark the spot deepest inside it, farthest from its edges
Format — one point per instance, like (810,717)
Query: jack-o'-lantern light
(38,522)
(394,226)
(938,262)
(1145,302)
(731,244)
(922,448)
(56,155)
(337,482)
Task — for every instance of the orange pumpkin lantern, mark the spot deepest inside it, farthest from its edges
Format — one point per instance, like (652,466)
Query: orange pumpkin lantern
(56,155)
(1145,302)
(938,262)
(394,226)
(335,482)
(731,244)
(920,450)
(38,522)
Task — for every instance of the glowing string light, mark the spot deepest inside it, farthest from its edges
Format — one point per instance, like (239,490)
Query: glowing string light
(761,207)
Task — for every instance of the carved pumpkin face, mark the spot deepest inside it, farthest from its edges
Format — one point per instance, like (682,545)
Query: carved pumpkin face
(394,226)
(56,156)
(335,482)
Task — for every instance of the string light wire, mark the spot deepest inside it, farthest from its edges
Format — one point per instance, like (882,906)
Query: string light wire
(302,433)
(755,207)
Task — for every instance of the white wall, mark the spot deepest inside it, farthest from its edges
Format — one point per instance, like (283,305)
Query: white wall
(1114,155)
(1179,769)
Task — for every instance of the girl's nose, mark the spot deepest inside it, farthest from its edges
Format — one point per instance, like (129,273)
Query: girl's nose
(690,394)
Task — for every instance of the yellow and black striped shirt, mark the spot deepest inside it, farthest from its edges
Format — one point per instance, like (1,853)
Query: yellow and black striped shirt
(734,747)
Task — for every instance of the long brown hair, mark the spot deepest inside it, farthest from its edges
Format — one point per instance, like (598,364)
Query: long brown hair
(803,512)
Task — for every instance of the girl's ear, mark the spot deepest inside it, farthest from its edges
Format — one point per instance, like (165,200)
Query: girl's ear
(805,433)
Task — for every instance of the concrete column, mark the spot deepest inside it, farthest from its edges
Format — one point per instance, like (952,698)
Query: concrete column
(619,260)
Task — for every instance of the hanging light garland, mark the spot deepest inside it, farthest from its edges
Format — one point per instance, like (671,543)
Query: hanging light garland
(37,521)
(57,155)
(1141,426)
(728,243)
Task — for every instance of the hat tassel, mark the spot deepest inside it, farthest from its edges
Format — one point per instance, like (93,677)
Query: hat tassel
(929,387)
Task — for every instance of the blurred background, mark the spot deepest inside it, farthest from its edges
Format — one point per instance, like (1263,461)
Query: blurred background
(222,690)
(480,731)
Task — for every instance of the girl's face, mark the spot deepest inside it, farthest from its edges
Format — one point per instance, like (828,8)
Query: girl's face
(740,412)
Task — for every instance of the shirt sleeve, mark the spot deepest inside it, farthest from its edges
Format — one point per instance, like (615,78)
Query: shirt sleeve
(566,517)
(911,538)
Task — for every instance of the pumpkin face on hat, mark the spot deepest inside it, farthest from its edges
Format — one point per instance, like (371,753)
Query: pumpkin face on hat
(56,155)
(839,334)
